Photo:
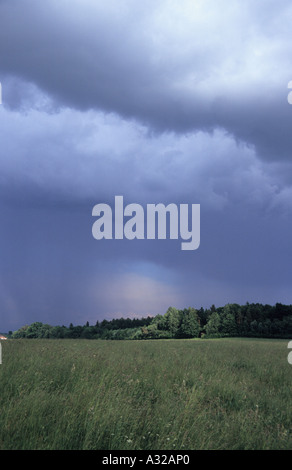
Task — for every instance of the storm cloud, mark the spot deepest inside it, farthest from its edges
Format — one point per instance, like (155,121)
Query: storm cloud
(163,101)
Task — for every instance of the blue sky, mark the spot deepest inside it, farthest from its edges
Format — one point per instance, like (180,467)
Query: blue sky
(161,102)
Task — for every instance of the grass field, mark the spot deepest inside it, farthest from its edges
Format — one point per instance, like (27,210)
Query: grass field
(148,395)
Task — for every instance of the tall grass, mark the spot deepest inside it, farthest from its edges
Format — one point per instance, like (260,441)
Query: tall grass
(150,395)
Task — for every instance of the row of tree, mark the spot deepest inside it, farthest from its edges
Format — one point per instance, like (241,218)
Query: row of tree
(249,320)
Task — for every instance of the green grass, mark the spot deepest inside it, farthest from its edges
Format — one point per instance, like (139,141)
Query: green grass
(149,395)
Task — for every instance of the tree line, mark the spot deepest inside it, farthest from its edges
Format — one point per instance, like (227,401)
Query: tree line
(232,320)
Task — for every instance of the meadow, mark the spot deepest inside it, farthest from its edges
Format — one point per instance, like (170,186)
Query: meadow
(196,394)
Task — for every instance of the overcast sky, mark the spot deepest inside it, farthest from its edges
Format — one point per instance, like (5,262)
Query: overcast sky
(160,101)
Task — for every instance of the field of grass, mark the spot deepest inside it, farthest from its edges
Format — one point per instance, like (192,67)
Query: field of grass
(149,395)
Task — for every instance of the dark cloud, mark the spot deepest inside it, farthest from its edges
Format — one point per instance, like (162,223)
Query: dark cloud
(176,68)
(164,102)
